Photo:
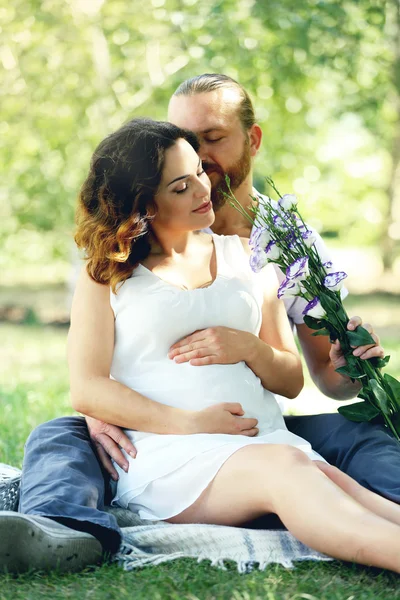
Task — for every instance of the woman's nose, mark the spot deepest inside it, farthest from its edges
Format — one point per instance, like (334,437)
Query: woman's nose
(203,186)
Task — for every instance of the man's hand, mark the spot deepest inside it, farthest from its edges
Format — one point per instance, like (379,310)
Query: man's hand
(363,352)
(215,345)
(108,440)
(226,417)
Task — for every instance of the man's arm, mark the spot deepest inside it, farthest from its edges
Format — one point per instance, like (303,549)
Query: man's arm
(323,358)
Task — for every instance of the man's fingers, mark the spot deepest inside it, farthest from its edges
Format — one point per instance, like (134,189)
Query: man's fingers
(246,424)
(375,351)
(354,322)
(113,450)
(234,408)
(106,462)
(250,432)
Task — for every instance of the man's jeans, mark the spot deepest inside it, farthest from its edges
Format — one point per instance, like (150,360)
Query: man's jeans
(62,478)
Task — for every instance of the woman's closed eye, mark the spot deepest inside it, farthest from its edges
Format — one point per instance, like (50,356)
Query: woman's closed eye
(186,185)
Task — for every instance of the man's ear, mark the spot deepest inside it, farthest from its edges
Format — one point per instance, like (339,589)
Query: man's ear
(255,137)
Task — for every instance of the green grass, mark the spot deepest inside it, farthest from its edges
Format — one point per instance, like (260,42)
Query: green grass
(34,388)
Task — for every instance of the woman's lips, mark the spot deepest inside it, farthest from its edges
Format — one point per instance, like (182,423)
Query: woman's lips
(204,207)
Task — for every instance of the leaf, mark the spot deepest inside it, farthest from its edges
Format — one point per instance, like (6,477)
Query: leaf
(360,412)
(348,371)
(313,323)
(380,396)
(360,337)
(321,332)
(379,363)
(394,387)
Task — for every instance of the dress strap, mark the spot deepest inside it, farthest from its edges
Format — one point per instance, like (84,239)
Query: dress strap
(231,257)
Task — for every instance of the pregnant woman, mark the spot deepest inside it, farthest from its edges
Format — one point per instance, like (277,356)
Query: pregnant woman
(216,449)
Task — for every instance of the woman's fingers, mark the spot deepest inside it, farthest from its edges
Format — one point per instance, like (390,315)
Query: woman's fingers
(106,462)
(194,356)
(186,349)
(190,339)
(111,448)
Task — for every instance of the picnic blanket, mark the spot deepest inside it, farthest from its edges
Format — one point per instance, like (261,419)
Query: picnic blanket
(152,543)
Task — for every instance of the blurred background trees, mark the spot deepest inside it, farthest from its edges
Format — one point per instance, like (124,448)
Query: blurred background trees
(324,77)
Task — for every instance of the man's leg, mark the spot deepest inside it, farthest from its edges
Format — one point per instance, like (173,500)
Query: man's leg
(62,479)
(63,524)
(367,452)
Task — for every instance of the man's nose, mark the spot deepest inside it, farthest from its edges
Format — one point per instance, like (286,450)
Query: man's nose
(203,152)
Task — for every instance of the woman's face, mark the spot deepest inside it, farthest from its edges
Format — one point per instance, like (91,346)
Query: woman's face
(183,198)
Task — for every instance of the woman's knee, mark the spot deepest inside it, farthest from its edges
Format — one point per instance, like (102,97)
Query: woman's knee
(290,456)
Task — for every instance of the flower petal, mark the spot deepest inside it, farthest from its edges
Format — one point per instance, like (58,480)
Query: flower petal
(314,309)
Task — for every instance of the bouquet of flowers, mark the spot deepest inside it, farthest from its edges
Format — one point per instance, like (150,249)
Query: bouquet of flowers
(281,236)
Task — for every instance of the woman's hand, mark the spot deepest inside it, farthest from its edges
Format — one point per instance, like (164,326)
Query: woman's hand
(226,417)
(363,352)
(215,345)
(108,440)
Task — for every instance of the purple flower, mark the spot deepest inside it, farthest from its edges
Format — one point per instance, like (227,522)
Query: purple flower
(291,241)
(288,201)
(328,266)
(300,225)
(279,223)
(309,238)
(314,309)
(258,259)
(298,270)
(288,288)
(334,281)
(260,236)
(272,251)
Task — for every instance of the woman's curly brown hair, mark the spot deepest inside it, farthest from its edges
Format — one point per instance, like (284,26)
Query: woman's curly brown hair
(116,202)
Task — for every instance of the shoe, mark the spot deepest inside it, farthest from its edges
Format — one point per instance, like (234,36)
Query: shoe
(10,479)
(30,542)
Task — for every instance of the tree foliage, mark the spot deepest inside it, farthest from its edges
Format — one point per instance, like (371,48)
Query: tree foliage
(324,76)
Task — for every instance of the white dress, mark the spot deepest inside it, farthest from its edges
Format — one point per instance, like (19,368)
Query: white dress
(171,471)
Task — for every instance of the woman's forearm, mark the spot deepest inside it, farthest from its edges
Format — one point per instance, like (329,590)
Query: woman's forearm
(112,402)
(280,371)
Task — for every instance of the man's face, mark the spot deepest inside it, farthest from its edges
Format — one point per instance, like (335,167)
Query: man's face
(224,146)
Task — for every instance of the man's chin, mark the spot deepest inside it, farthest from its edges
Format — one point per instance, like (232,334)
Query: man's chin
(218,199)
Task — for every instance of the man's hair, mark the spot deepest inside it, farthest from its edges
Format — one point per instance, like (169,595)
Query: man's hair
(208,82)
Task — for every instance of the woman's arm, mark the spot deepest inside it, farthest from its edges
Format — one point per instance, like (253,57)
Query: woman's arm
(90,350)
(93,393)
(274,356)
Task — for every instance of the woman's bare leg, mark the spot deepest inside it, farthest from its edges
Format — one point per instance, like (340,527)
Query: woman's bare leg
(373,502)
(266,478)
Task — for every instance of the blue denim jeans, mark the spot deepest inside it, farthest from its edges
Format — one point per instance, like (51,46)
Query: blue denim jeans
(62,479)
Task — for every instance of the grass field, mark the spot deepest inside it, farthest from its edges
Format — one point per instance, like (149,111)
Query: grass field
(34,388)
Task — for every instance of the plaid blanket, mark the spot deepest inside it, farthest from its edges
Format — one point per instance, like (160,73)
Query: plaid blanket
(152,543)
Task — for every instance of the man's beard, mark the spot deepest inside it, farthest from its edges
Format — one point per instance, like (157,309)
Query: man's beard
(237,173)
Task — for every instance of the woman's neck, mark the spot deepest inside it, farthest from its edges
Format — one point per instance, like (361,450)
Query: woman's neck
(170,244)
